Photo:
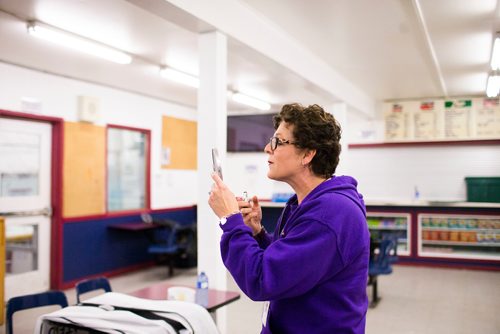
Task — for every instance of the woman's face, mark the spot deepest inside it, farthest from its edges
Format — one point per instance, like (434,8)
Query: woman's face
(285,161)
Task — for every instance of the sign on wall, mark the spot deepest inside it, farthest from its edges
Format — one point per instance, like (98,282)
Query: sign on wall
(453,119)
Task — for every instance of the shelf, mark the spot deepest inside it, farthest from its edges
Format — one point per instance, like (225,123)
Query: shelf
(391,224)
(427,143)
(269,204)
(453,229)
(458,243)
(448,253)
(392,228)
(459,236)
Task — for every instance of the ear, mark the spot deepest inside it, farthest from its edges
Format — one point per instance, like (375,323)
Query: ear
(308,156)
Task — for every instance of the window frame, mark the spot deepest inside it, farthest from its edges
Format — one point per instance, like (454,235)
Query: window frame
(147,168)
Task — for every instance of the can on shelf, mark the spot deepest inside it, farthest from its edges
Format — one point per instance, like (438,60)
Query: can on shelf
(464,236)
(444,235)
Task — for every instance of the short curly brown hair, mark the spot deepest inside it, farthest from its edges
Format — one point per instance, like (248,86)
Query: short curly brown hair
(315,129)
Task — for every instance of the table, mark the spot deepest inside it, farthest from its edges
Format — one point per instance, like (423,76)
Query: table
(147,229)
(139,226)
(216,298)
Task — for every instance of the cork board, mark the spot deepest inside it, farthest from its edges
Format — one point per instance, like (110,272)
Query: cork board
(84,187)
(179,144)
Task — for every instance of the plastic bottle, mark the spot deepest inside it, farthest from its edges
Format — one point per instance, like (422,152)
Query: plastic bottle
(416,194)
(202,289)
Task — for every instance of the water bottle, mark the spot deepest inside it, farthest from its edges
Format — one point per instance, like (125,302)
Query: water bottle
(416,194)
(202,289)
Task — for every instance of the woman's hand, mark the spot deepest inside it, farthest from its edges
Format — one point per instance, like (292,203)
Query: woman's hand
(222,200)
(252,214)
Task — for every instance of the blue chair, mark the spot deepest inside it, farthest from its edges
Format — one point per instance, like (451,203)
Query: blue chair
(380,265)
(25,302)
(172,241)
(91,284)
(393,251)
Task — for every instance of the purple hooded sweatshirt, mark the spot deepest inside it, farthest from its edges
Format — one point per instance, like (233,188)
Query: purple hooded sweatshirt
(314,269)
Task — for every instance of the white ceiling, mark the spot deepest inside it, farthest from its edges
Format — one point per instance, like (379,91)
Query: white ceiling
(381,45)
(388,49)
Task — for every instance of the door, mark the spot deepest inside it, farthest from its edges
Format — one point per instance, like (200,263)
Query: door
(25,202)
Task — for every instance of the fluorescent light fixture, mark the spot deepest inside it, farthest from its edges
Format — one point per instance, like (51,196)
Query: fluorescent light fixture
(78,43)
(493,85)
(495,55)
(250,101)
(180,77)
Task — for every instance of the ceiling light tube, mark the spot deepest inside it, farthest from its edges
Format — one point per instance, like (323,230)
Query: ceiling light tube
(493,85)
(250,101)
(495,55)
(180,77)
(78,43)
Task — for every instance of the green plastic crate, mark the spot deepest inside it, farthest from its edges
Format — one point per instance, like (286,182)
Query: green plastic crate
(483,189)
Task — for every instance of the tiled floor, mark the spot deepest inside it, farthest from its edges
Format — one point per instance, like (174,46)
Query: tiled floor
(415,300)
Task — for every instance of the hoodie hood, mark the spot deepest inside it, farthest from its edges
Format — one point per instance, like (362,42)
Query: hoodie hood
(343,185)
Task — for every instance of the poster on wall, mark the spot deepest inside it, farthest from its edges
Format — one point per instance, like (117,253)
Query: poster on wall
(457,119)
(396,123)
(488,119)
(425,121)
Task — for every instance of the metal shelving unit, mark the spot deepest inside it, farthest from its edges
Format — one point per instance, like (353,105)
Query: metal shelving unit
(391,225)
(459,236)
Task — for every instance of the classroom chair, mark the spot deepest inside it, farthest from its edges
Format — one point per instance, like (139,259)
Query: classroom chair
(173,240)
(380,265)
(91,284)
(393,251)
(25,302)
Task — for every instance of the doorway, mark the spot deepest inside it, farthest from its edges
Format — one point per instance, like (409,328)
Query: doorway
(26,203)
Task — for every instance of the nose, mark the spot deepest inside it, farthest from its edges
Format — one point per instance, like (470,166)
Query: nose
(267,148)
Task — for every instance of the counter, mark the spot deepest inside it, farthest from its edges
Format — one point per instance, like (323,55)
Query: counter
(440,233)
(419,203)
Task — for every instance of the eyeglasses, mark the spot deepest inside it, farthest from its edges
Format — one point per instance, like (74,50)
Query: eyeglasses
(274,142)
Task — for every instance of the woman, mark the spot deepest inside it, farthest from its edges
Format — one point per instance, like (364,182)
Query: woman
(313,270)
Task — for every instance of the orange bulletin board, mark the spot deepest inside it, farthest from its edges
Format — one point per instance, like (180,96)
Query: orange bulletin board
(179,144)
(84,177)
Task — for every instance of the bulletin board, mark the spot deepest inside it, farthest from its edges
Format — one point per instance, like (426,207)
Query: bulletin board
(179,144)
(84,169)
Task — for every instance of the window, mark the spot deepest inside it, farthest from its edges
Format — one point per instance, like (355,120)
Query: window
(128,161)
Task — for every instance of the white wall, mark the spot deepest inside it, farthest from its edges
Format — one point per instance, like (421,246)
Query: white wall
(388,174)
(58,97)
(383,173)
(248,172)
(437,171)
